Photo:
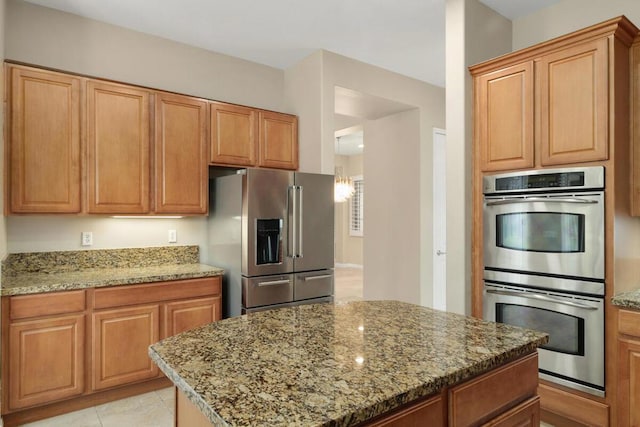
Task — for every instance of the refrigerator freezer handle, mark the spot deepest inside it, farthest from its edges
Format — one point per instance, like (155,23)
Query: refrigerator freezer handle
(300,198)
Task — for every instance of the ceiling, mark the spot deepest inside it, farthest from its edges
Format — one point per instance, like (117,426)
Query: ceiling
(404,36)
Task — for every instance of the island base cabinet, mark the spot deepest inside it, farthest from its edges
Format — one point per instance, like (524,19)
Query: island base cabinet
(188,414)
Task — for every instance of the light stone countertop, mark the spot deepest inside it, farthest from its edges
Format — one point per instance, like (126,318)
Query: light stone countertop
(627,300)
(38,272)
(326,364)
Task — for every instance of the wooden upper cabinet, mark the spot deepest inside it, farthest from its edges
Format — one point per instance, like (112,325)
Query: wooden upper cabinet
(504,123)
(117,149)
(181,160)
(573,88)
(278,140)
(44,142)
(234,133)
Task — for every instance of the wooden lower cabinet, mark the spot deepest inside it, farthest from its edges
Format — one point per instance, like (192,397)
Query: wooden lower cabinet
(63,351)
(46,360)
(180,316)
(527,414)
(629,368)
(121,338)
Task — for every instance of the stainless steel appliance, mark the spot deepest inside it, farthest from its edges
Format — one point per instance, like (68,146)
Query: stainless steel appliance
(574,356)
(544,266)
(549,221)
(272,232)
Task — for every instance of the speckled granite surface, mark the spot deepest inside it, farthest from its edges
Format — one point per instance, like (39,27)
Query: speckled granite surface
(627,299)
(331,365)
(37,272)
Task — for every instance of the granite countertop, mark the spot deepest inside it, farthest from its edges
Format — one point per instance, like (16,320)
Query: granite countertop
(627,299)
(327,364)
(38,272)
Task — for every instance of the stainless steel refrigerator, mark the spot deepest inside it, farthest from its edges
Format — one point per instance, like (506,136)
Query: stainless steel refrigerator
(272,232)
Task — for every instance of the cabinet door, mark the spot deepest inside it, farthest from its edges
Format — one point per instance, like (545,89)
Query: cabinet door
(504,118)
(44,142)
(181,162)
(46,360)
(628,382)
(527,414)
(121,338)
(573,108)
(180,316)
(234,134)
(117,149)
(278,140)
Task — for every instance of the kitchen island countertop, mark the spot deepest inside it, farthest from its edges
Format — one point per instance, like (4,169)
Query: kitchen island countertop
(327,364)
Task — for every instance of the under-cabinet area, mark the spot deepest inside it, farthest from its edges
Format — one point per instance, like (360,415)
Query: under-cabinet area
(83,145)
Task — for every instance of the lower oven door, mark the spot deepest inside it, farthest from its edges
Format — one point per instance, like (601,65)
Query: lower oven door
(574,355)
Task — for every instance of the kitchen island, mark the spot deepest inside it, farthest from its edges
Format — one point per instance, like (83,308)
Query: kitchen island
(344,364)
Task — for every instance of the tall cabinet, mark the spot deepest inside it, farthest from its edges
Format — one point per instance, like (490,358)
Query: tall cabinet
(560,103)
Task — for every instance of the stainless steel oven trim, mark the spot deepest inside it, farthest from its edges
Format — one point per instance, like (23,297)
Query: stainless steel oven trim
(588,369)
(595,288)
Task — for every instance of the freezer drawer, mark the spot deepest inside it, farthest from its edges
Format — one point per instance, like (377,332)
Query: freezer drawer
(313,284)
(267,290)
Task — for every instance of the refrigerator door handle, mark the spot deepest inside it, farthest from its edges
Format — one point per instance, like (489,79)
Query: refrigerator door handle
(324,276)
(300,198)
(291,234)
(274,282)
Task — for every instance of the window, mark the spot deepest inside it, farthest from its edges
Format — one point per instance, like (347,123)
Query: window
(356,222)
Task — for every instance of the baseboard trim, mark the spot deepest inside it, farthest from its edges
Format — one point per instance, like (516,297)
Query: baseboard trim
(346,265)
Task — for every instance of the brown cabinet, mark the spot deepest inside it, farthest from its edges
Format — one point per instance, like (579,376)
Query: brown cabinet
(278,140)
(244,136)
(549,105)
(44,142)
(117,148)
(504,99)
(121,338)
(635,127)
(572,86)
(234,134)
(629,368)
(59,346)
(181,172)
(45,348)
(180,316)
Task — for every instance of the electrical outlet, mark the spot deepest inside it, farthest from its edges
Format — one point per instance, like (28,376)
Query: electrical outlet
(87,238)
(173,236)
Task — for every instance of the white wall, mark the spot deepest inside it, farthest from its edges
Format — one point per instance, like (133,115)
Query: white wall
(473,33)
(567,16)
(50,38)
(391,210)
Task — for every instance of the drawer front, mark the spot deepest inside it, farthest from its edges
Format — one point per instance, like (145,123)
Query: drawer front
(488,395)
(269,290)
(313,285)
(52,303)
(118,296)
(629,323)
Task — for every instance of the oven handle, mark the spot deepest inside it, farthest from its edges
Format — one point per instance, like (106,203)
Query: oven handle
(542,199)
(541,297)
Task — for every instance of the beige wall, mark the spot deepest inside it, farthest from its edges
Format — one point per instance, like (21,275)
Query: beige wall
(567,16)
(349,249)
(474,33)
(55,39)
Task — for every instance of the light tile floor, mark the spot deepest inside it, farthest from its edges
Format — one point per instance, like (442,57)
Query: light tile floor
(348,284)
(153,409)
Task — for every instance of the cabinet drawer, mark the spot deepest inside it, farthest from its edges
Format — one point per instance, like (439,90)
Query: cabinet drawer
(119,296)
(490,394)
(629,323)
(25,306)
(267,290)
(313,285)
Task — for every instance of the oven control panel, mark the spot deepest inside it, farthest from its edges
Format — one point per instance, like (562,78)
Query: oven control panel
(589,178)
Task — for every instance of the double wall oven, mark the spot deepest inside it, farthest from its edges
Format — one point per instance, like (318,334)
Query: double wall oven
(544,266)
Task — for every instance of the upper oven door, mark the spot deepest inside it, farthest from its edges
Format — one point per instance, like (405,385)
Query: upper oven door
(560,234)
